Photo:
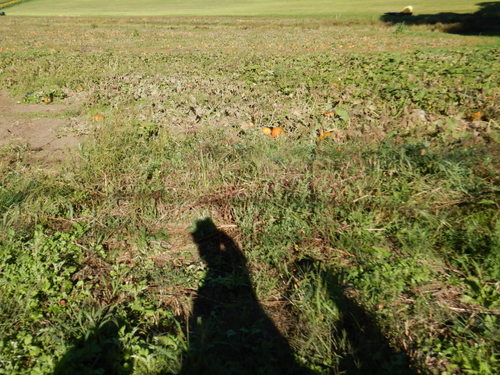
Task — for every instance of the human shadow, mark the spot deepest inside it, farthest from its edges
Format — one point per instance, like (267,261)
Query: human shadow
(485,21)
(367,350)
(229,332)
(98,353)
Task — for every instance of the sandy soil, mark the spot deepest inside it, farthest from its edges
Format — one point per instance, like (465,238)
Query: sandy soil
(37,126)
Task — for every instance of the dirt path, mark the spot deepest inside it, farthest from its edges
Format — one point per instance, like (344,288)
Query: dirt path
(38,127)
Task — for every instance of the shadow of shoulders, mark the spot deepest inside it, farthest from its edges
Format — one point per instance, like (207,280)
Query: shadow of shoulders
(367,350)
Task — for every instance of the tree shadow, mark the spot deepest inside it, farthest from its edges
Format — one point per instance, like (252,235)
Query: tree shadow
(98,353)
(486,21)
(369,352)
(229,332)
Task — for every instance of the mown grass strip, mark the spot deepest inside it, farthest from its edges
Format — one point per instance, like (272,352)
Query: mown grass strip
(261,8)
(6,4)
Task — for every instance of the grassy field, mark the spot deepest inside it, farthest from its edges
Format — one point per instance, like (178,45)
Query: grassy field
(300,8)
(179,238)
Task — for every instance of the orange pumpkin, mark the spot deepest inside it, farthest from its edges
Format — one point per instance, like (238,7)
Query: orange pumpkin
(97,117)
(476,116)
(275,132)
(324,135)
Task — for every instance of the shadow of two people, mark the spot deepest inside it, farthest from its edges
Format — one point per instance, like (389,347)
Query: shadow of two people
(230,333)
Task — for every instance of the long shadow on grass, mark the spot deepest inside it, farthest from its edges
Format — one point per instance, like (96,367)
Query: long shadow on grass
(229,332)
(368,350)
(486,21)
(99,352)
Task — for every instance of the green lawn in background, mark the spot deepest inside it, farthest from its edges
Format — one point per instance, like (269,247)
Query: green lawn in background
(295,8)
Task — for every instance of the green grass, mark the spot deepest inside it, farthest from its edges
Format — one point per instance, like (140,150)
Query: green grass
(300,8)
(387,230)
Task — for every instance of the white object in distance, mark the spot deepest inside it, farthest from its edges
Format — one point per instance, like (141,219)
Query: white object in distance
(408,9)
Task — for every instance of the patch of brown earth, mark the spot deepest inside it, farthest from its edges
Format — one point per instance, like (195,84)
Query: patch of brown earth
(43,135)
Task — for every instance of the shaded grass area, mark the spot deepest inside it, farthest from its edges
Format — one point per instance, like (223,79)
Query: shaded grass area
(376,247)
(485,21)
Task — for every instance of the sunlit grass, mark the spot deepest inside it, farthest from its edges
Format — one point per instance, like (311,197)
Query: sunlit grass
(301,8)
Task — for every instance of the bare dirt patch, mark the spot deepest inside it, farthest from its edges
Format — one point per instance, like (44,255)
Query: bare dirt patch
(38,127)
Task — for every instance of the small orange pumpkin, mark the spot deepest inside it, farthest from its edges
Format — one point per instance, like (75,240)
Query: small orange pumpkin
(275,132)
(267,131)
(476,116)
(97,117)
(324,135)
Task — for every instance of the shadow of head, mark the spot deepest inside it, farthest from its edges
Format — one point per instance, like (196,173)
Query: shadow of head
(216,248)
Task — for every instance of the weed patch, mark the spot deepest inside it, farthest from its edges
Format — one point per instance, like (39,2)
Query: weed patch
(373,215)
